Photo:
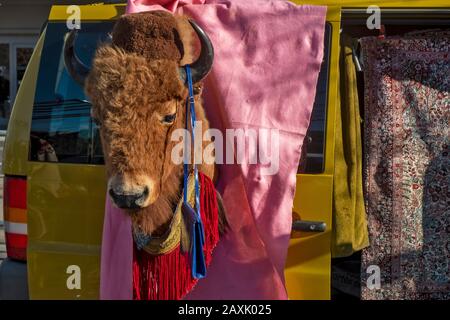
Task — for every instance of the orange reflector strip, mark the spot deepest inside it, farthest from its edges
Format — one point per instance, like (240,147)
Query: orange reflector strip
(15,215)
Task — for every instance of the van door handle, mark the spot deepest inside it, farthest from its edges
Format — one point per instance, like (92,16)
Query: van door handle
(308,226)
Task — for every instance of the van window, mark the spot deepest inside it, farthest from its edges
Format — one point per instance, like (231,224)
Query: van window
(313,153)
(61,128)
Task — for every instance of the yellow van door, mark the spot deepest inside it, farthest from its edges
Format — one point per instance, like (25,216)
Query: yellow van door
(65,173)
(308,265)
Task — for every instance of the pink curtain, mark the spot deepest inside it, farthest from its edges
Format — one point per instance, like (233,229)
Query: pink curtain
(267,59)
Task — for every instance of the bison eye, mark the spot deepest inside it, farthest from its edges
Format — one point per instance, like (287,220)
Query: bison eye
(170,118)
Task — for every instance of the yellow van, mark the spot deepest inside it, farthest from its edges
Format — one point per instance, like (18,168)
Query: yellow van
(54,174)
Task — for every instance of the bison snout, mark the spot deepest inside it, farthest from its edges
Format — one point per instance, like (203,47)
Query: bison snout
(129,200)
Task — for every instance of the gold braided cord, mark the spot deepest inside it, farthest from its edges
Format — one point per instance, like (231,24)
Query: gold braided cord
(172,238)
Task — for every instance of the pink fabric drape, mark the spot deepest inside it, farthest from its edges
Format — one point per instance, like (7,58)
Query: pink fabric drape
(267,60)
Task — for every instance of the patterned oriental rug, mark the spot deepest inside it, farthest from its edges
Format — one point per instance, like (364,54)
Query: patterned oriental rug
(407,163)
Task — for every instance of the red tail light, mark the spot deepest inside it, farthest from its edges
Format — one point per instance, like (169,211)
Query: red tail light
(15,216)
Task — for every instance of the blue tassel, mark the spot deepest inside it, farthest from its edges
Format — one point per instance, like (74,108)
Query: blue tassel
(193,217)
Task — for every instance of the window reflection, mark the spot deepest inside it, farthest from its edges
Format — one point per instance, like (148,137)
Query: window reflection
(313,150)
(61,120)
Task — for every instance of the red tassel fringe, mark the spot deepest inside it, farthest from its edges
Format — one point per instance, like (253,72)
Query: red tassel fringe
(169,276)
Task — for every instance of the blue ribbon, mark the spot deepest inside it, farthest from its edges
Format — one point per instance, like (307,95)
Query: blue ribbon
(193,217)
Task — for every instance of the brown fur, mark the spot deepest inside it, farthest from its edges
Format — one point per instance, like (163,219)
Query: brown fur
(152,36)
(131,91)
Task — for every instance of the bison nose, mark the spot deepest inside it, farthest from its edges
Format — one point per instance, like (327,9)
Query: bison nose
(129,201)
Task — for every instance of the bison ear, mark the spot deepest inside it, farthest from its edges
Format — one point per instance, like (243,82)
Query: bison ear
(186,36)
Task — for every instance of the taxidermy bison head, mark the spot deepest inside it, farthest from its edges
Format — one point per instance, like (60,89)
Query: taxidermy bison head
(138,91)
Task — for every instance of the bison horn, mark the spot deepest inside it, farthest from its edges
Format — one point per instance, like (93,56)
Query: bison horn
(203,65)
(77,69)
(200,68)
